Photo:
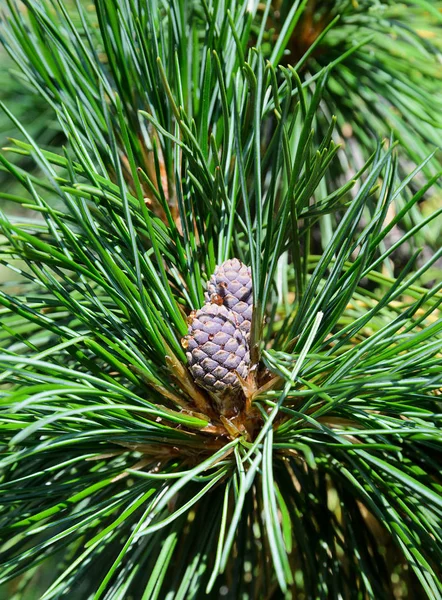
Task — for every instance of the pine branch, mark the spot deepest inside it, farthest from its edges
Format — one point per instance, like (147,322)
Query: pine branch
(185,147)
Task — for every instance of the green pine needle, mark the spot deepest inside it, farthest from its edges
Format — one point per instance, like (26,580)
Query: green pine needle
(191,136)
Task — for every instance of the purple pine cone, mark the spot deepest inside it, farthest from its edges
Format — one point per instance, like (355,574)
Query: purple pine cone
(232,281)
(216,349)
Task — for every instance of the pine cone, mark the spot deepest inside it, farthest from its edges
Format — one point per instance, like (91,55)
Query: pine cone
(232,281)
(216,349)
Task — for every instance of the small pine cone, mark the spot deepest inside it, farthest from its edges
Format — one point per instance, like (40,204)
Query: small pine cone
(232,281)
(216,350)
